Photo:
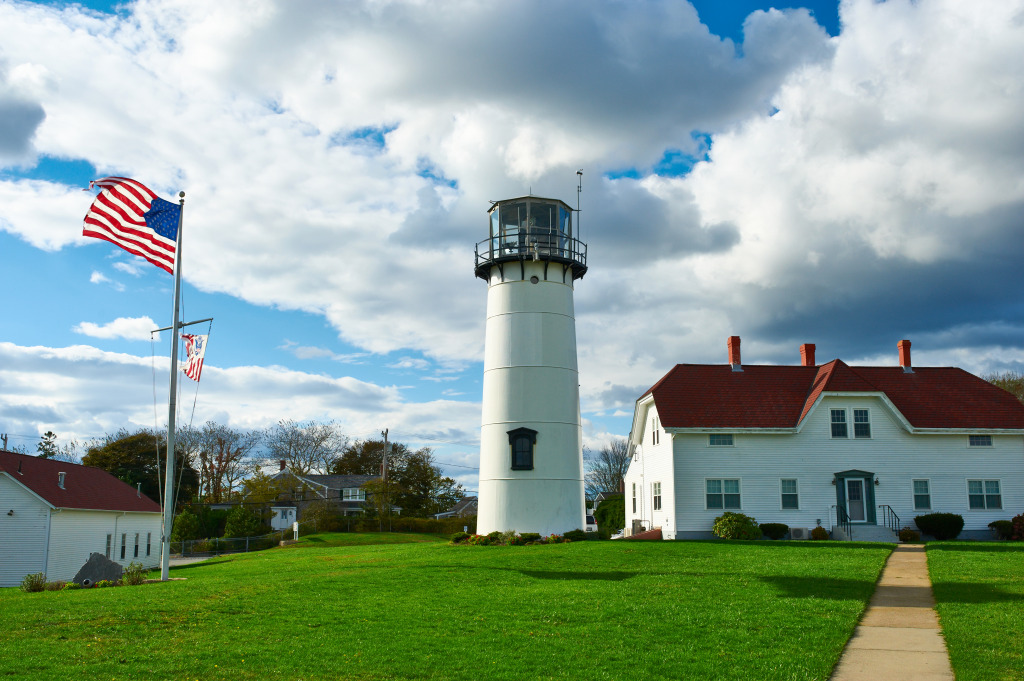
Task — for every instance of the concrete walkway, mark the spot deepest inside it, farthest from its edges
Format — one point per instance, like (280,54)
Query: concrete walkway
(899,636)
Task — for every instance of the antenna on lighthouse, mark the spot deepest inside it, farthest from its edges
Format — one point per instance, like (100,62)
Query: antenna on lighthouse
(579,189)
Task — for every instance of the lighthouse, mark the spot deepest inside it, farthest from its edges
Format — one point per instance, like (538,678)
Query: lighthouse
(531,439)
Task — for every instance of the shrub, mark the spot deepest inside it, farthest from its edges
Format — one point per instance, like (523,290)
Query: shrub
(104,583)
(731,525)
(241,522)
(134,574)
(530,536)
(819,533)
(774,530)
(460,537)
(940,525)
(71,586)
(610,515)
(55,586)
(1002,528)
(186,526)
(909,535)
(34,582)
(1018,527)
(575,535)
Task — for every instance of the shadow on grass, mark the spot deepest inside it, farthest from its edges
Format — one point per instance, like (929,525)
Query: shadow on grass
(984,547)
(973,593)
(816,587)
(609,576)
(220,560)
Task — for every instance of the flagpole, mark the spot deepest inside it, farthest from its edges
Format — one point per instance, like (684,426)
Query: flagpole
(165,560)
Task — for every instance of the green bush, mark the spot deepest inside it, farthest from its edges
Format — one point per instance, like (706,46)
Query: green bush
(731,525)
(819,533)
(71,586)
(1002,528)
(241,522)
(1018,527)
(55,586)
(774,530)
(530,536)
(186,526)
(909,535)
(611,515)
(134,574)
(34,582)
(940,525)
(104,583)
(575,535)
(460,537)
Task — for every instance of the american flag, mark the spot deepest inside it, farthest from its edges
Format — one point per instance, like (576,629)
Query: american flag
(128,214)
(195,350)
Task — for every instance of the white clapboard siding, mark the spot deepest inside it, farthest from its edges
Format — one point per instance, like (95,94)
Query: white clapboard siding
(22,534)
(75,535)
(654,466)
(812,457)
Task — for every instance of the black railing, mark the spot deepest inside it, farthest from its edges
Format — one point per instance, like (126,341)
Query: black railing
(843,521)
(542,245)
(889,518)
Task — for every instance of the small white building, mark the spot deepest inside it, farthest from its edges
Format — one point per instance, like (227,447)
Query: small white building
(54,515)
(855,449)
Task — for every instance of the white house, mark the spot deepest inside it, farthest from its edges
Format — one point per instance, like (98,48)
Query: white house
(53,515)
(855,449)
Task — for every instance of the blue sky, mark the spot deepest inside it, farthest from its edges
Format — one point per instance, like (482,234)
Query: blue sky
(748,170)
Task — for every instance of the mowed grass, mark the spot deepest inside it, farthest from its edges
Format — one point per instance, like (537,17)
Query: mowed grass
(979,591)
(329,609)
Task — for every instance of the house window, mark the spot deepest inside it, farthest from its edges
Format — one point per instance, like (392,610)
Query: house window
(136,554)
(656,494)
(720,440)
(723,494)
(522,442)
(922,495)
(149,542)
(861,423)
(124,542)
(634,497)
(354,494)
(110,540)
(790,496)
(839,423)
(984,494)
(980,440)
(654,431)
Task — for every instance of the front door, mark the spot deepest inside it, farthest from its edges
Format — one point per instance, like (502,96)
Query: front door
(855,507)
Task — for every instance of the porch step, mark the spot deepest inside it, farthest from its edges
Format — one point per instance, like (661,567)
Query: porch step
(873,533)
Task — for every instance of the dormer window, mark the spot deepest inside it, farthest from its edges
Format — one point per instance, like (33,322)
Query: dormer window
(60,480)
(522,442)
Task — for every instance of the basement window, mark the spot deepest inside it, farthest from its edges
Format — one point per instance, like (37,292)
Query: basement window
(522,442)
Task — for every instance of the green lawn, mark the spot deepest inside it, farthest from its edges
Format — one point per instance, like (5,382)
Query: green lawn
(328,608)
(979,589)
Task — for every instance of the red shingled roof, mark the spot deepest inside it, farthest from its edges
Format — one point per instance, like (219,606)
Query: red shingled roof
(85,487)
(715,396)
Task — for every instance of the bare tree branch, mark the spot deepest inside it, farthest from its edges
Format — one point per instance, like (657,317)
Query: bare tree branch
(606,469)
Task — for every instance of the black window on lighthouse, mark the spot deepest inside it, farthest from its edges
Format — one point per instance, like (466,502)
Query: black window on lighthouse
(521,443)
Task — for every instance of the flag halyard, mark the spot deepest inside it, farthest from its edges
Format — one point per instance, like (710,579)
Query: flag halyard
(128,214)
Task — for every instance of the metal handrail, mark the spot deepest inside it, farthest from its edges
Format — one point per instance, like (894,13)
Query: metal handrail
(843,521)
(531,244)
(891,520)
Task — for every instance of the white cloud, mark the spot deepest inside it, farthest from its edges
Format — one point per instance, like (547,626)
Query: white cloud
(133,268)
(100,278)
(129,328)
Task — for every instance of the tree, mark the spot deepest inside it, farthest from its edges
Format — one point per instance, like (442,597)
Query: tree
(47,446)
(224,459)
(307,446)
(607,468)
(364,457)
(186,526)
(132,458)
(1010,381)
(611,515)
(243,523)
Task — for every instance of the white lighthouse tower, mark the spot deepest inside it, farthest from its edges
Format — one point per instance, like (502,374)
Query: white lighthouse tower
(531,440)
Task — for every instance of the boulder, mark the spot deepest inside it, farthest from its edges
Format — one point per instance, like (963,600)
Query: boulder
(98,568)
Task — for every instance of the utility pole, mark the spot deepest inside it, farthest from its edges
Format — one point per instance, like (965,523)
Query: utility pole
(384,475)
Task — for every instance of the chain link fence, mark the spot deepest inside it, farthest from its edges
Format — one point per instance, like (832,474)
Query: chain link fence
(219,546)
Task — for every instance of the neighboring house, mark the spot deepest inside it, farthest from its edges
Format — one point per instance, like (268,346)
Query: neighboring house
(810,444)
(346,492)
(464,507)
(53,515)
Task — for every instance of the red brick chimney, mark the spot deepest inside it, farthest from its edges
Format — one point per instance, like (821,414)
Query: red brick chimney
(807,355)
(734,353)
(283,463)
(904,346)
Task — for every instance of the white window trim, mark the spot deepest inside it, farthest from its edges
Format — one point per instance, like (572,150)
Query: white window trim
(967,488)
(913,502)
(781,508)
(704,491)
(656,499)
(655,435)
(853,431)
(846,422)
